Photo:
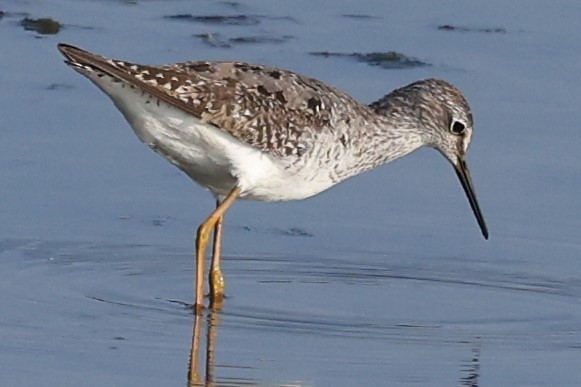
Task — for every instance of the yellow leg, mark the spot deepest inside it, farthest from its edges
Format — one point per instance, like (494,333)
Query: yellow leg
(202,239)
(216,278)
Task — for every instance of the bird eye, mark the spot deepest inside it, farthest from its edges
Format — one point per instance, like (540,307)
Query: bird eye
(457,127)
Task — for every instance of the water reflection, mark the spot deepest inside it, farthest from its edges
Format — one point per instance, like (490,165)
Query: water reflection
(203,368)
(202,354)
(471,369)
(194,376)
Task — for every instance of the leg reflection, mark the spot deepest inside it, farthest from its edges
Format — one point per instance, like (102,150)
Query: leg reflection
(210,345)
(472,368)
(194,376)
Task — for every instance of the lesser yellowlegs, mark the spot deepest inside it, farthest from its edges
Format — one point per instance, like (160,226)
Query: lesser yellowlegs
(262,133)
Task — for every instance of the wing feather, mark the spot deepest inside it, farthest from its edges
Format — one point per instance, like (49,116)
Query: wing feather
(268,108)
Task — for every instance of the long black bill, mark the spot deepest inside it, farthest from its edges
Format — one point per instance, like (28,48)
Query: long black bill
(464,175)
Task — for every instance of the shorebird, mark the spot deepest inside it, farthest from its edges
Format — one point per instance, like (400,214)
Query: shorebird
(262,133)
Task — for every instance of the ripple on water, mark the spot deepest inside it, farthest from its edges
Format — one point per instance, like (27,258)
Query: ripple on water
(356,308)
(373,296)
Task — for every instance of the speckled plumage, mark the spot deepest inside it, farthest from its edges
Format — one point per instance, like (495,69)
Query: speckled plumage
(295,119)
(265,107)
(262,133)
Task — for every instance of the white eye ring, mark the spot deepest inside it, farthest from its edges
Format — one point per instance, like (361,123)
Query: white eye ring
(457,127)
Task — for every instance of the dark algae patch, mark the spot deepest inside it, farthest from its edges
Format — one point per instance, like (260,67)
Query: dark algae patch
(259,39)
(231,4)
(236,20)
(449,27)
(59,86)
(297,232)
(42,26)
(219,41)
(390,59)
(386,60)
(359,16)
(239,20)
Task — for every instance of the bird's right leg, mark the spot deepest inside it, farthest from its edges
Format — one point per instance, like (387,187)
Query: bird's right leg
(216,278)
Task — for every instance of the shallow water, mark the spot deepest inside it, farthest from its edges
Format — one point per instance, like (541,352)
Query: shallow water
(383,280)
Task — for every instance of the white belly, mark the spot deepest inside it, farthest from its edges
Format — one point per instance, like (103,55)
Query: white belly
(210,156)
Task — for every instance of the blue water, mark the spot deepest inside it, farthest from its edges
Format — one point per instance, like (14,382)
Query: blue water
(383,280)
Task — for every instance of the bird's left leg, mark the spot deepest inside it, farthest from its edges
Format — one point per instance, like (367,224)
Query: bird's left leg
(202,239)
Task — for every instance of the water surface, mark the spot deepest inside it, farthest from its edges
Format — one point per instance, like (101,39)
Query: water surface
(383,280)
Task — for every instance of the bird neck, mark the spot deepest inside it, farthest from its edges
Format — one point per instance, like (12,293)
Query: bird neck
(380,142)
(398,139)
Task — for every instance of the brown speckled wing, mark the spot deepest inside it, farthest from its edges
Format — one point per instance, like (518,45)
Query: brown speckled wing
(268,108)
